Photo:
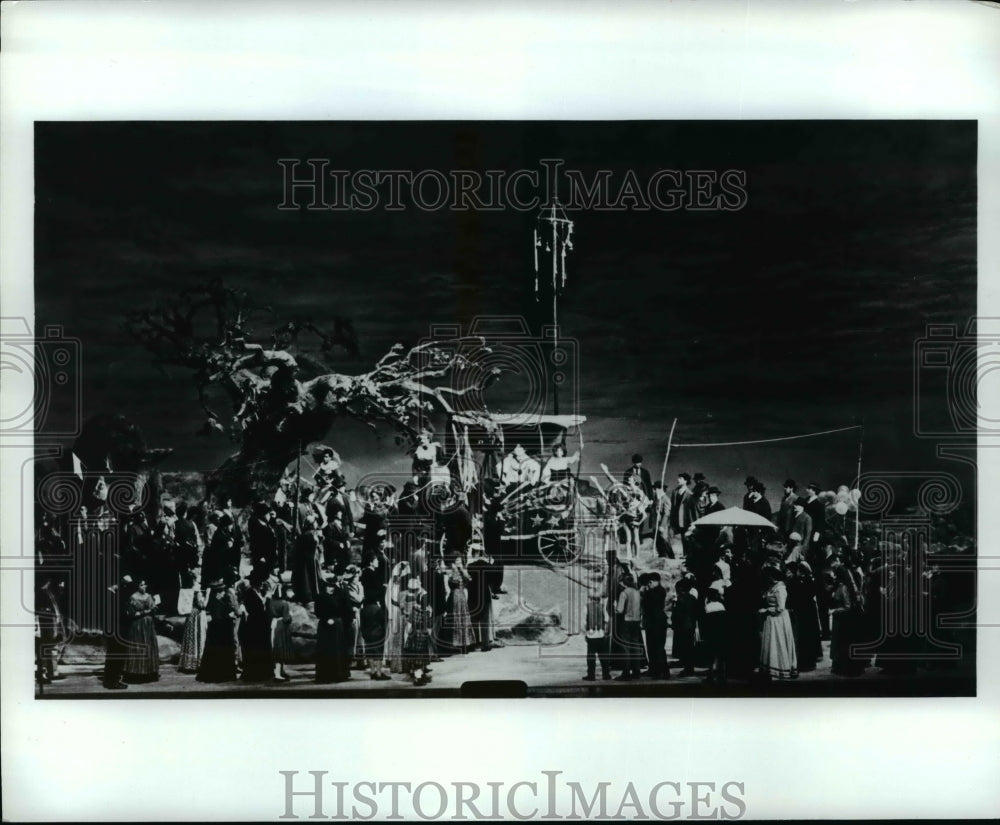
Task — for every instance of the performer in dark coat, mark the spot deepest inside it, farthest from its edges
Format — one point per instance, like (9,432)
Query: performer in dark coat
(493,525)
(786,511)
(805,618)
(333,657)
(52,628)
(375,521)
(751,539)
(218,662)
(306,563)
(704,543)
(115,634)
(186,540)
(682,510)
(223,551)
(255,635)
(654,620)
(816,509)
(263,542)
(803,525)
(339,503)
(373,614)
(457,523)
(480,598)
(684,620)
(742,600)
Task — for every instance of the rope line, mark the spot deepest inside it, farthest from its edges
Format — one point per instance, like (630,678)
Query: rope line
(771,440)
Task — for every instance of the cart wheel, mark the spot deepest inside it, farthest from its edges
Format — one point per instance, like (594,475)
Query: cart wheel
(559,549)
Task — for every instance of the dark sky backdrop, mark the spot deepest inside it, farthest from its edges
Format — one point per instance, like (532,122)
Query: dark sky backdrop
(798,312)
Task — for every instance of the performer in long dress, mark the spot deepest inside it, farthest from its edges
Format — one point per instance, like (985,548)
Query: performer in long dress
(195,632)
(416,647)
(777,642)
(397,621)
(218,662)
(280,612)
(143,662)
(557,468)
(459,621)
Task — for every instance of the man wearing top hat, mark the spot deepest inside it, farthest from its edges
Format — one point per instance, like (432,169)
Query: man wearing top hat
(802,524)
(786,512)
(653,597)
(480,596)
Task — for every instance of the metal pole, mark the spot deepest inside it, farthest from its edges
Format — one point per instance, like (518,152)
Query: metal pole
(298,484)
(555,304)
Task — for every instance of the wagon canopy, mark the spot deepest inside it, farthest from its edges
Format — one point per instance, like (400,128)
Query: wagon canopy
(565,422)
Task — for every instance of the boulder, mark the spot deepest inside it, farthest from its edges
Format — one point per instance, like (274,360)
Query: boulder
(90,651)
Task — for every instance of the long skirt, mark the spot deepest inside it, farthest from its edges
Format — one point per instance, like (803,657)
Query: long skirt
(416,648)
(394,644)
(805,626)
(777,647)
(193,644)
(333,658)
(844,631)
(218,661)
(255,644)
(143,662)
(373,627)
(282,652)
(459,626)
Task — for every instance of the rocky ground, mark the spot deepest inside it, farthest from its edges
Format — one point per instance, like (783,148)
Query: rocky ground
(539,622)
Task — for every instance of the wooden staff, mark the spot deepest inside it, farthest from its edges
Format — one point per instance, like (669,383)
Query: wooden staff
(663,476)
(857,505)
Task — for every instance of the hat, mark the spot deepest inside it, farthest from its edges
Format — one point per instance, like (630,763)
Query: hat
(215,583)
(718,585)
(352,570)
(637,459)
(758,487)
(699,476)
(790,482)
(750,481)
(774,570)
(794,537)
(801,502)
(413,583)
(168,507)
(812,485)
(715,491)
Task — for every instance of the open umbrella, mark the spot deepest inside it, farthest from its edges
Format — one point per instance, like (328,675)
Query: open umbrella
(733,516)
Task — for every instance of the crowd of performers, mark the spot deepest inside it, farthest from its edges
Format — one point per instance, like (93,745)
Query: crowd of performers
(749,601)
(754,603)
(394,581)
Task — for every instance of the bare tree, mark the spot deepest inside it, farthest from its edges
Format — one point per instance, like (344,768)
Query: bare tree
(281,395)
